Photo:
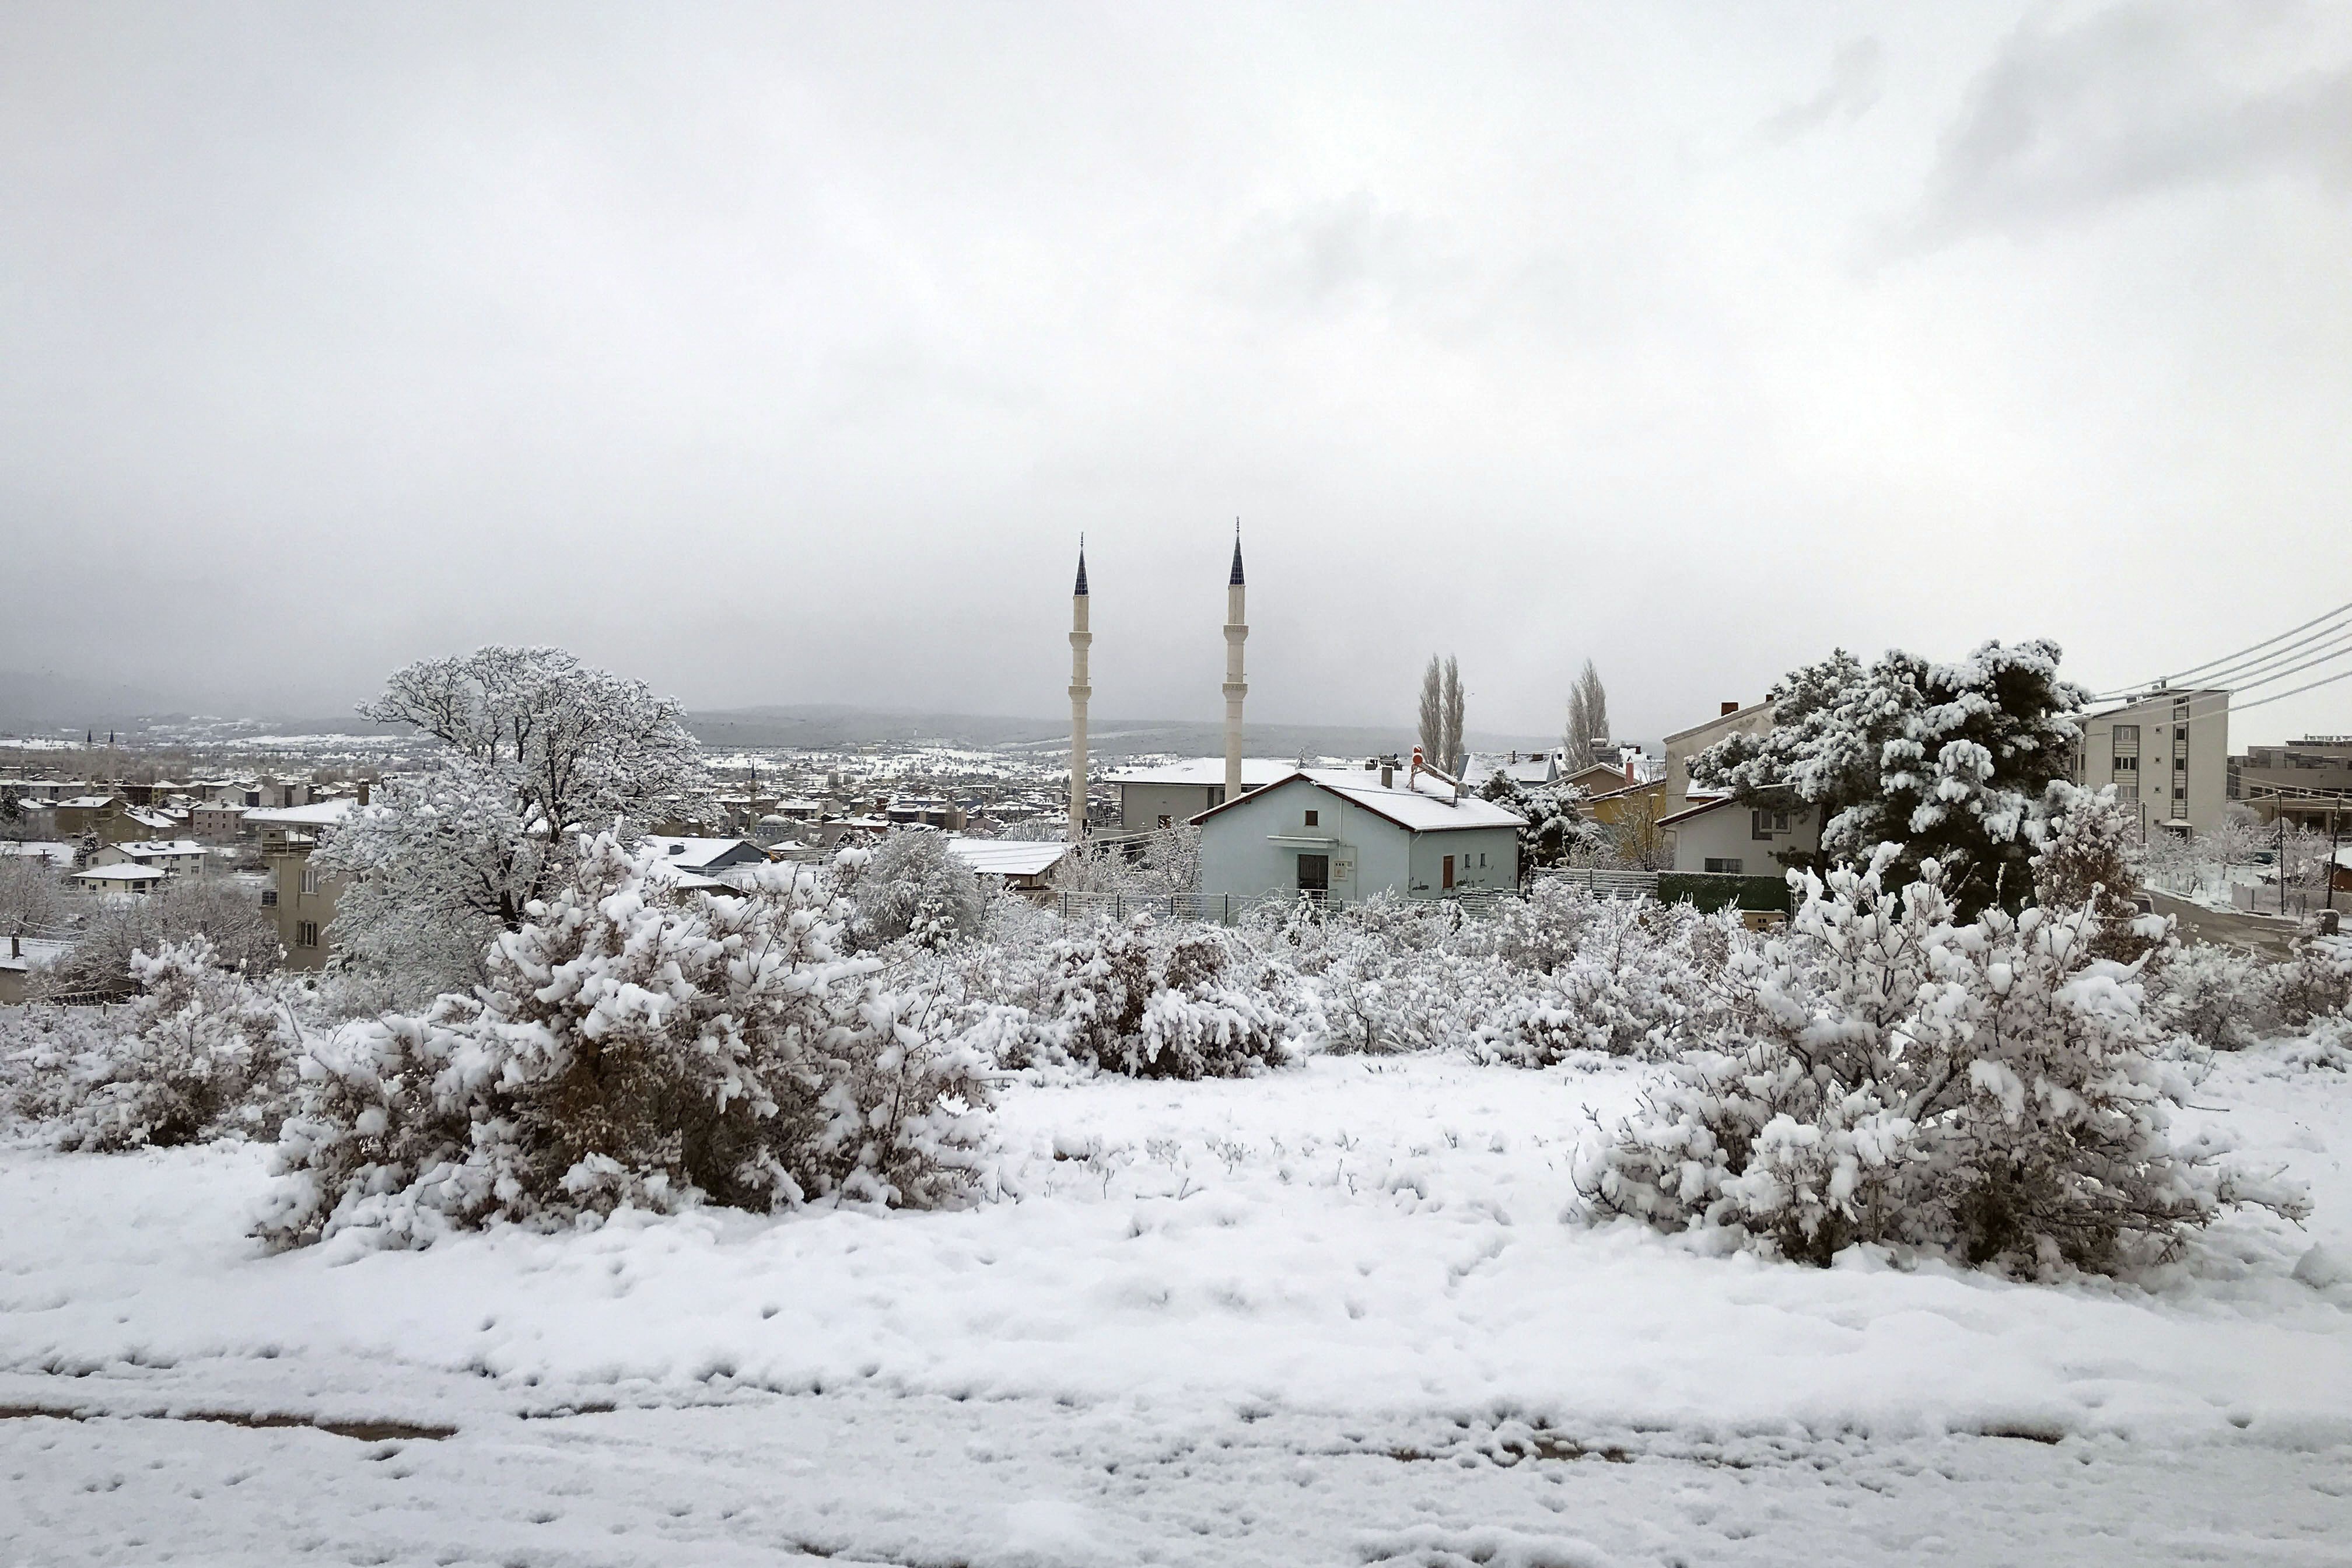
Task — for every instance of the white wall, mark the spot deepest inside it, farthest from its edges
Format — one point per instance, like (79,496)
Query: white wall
(1368,852)
(1729,832)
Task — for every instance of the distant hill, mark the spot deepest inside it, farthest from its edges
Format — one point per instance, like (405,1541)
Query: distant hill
(47,703)
(830,726)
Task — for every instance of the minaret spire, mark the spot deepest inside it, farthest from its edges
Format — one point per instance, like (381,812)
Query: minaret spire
(1081,637)
(1236,687)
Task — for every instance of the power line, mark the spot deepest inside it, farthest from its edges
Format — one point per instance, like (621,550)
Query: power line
(2231,657)
(2262,671)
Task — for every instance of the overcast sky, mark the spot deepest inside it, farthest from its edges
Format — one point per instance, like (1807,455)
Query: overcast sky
(780,354)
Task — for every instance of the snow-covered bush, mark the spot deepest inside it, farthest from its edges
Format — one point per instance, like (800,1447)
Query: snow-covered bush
(915,886)
(2222,999)
(207,1055)
(2316,984)
(639,1045)
(1637,978)
(49,1054)
(1163,1001)
(1389,974)
(1884,1072)
(224,915)
(2088,855)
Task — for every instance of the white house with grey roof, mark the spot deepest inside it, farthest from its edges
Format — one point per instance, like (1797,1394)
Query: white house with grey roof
(1348,834)
(1153,796)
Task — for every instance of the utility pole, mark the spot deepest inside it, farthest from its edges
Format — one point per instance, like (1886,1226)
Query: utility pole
(2281,859)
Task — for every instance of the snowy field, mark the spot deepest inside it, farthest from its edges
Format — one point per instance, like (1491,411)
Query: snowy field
(1331,1315)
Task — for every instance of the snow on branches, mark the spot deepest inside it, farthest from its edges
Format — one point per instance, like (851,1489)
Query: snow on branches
(539,748)
(1946,760)
(636,1044)
(207,1055)
(1886,1072)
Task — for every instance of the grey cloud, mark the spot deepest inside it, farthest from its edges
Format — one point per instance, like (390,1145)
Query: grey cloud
(2135,100)
(1856,78)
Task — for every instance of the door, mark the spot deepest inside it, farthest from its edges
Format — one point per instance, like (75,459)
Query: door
(1447,884)
(1315,874)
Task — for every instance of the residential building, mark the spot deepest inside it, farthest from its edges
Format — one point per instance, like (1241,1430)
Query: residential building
(22,957)
(1717,834)
(1022,863)
(2309,782)
(125,878)
(216,822)
(1755,719)
(180,857)
(1347,834)
(1161,794)
(301,896)
(2167,752)
(59,854)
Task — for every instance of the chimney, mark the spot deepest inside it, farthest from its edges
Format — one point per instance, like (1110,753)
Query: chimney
(1629,769)
(1388,775)
(365,787)
(1730,708)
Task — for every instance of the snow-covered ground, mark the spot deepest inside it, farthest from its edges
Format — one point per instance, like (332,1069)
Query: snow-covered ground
(1328,1316)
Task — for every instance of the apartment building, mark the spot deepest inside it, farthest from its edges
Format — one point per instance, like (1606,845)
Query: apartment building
(2167,754)
(2309,782)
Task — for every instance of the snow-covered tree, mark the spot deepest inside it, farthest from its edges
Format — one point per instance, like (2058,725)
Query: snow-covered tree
(1588,719)
(2087,855)
(207,1055)
(33,895)
(1944,761)
(1886,1072)
(222,915)
(1551,825)
(1442,712)
(915,886)
(539,747)
(636,1044)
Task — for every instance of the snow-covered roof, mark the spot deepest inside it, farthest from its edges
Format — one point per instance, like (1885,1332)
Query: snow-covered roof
(31,953)
(318,814)
(694,854)
(1009,857)
(148,848)
(1426,805)
(1203,771)
(131,873)
(1699,807)
(54,853)
(1721,720)
(89,801)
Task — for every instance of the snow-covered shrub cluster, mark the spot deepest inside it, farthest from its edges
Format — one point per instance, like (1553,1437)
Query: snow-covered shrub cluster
(1623,977)
(202,1053)
(1388,975)
(2226,1000)
(1885,1072)
(48,1053)
(636,1044)
(221,914)
(1154,1000)
(207,1055)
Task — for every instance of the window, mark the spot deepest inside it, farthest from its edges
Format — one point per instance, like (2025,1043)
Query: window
(1167,821)
(310,877)
(2127,765)
(2129,794)
(306,933)
(1216,795)
(268,897)
(1315,874)
(1725,868)
(2180,764)
(2126,734)
(1764,824)
(1314,819)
